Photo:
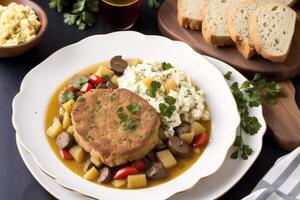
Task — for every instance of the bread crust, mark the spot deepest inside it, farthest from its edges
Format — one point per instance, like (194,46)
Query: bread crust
(187,22)
(245,47)
(254,36)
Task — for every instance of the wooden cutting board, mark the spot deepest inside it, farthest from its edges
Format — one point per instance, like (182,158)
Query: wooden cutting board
(283,119)
(167,22)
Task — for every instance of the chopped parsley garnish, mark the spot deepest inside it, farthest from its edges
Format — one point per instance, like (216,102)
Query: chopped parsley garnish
(112,97)
(153,88)
(228,75)
(98,104)
(105,77)
(67,95)
(78,84)
(167,109)
(133,108)
(127,124)
(166,66)
(251,94)
(81,99)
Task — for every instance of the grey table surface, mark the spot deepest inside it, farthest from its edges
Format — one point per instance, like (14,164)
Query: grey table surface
(16,182)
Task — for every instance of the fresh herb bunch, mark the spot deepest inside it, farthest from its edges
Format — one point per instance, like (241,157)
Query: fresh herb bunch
(81,12)
(251,94)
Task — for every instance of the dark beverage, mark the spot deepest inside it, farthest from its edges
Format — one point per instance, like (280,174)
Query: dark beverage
(120,14)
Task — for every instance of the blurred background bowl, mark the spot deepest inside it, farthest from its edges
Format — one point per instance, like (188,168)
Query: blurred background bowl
(10,51)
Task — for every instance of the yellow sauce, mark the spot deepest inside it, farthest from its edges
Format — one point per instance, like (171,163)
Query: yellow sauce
(53,110)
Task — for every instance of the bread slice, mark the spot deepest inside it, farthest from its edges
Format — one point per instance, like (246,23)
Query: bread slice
(283,2)
(237,23)
(271,29)
(214,25)
(189,14)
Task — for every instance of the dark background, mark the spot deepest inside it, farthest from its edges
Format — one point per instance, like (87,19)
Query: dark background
(15,180)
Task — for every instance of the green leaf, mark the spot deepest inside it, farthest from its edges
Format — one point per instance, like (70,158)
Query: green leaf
(254,98)
(256,77)
(235,154)
(87,18)
(170,100)
(250,125)
(70,19)
(67,95)
(153,88)
(228,75)
(245,84)
(133,108)
(162,107)
(93,5)
(238,141)
(154,4)
(166,66)
(79,83)
(130,125)
(78,6)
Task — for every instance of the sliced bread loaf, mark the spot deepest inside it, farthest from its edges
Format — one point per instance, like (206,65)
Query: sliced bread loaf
(271,29)
(189,14)
(237,23)
(214,25)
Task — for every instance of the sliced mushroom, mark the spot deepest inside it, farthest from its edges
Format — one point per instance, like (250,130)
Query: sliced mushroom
(118,65)
(111,85)
(183,128)
(179,147)
(88,165)
(64,140)
(105,175)
(156,171)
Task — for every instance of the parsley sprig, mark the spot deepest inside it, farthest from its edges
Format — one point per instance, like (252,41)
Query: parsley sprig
(166,66)
(81,12)
(124,120)
(78,12)
(133,108)
(155,85)
(79,83)
(167,109)
(251,94)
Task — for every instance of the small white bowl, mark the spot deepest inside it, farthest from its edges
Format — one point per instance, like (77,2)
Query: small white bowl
(30,105)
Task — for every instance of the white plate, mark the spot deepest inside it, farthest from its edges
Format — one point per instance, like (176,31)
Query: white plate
(30,106)
(211,187)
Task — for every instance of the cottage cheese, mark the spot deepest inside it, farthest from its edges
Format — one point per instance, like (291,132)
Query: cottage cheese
(18,24)
(190,102)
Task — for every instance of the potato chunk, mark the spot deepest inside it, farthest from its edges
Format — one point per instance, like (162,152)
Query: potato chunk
(115,80)
(66,120)
(92,174)
(147,82)
(119,183)
(166,158)
(198,128)
(170,85)
(78,153)
(104,71)
(68,106)
(187,137)
(136,181)
(55,128)
(70,129)
(134,62)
